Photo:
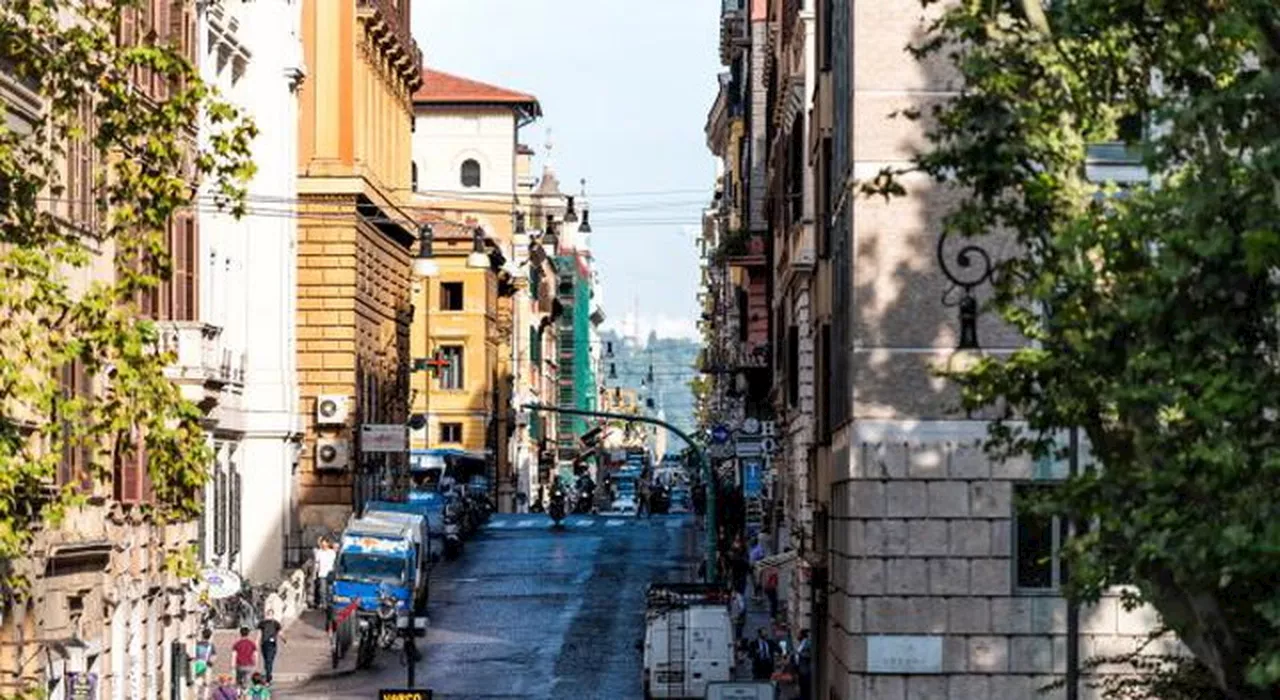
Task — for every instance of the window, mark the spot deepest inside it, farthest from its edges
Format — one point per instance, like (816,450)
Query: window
(744,309)
(450,296)
(1038,541)
(76,454)
(825,191)
(451,376)
(413,176)
(828,9)
(79,189)
(450,432)
(470,173)
(535,345)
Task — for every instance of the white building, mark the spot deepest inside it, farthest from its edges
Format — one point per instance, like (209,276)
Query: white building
(252,52)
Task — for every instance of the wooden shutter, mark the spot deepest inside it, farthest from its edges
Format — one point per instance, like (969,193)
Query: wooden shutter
(130,467)
(219,512)
(234,514)
(128,33)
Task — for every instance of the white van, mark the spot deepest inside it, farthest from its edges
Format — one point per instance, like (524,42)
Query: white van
(688,640)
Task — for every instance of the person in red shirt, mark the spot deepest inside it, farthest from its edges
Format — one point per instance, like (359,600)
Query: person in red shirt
(246,653)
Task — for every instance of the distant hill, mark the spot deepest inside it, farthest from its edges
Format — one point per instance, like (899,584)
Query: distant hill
(672,360)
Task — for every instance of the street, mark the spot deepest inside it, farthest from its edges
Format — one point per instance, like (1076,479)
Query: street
(532,612)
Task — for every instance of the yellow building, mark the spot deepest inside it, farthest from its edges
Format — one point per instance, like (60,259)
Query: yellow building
(355,244)
(467,176)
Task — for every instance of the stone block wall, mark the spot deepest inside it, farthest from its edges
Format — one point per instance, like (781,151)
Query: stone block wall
(923,544)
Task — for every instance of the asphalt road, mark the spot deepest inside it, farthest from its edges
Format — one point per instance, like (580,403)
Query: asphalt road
(534,612)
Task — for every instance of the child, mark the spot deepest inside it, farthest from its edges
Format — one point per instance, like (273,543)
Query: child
(259,689)
(246,657)
(225,690)
(205,655)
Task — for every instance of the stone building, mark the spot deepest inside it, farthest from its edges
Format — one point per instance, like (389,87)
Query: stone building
(938,587)
(104,611)
(252,53)
(355,243)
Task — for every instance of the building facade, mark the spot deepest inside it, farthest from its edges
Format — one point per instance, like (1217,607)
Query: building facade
(103,606)
(467,159)
(252,53)
(924,536)
(355,243)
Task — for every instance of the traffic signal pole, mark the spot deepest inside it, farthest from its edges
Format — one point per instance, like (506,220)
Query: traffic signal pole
(703,466)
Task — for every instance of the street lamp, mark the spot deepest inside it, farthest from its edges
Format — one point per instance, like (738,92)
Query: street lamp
(571,215)
(424,265)
(970,256)
(478,259)
(551,239)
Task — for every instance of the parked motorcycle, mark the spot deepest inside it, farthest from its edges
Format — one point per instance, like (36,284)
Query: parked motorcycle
(387,614)
(452,531)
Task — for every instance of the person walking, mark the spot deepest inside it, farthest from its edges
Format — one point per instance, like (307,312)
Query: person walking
(758,552)
(642,497)
(738,613)
(804,665)
(762,649)
(203,658)
(326,554)
(259,690)
(769,580)
(269,639)
(246,657)
(225,689)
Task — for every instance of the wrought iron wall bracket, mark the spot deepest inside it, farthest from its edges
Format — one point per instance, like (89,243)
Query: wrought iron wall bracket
(972,268)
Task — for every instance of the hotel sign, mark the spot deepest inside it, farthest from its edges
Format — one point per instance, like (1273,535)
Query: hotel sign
(904,654)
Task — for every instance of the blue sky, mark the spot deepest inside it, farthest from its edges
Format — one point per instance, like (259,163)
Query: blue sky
(625,88)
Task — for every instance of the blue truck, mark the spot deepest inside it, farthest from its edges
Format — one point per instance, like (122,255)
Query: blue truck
(427,505)
(379,558)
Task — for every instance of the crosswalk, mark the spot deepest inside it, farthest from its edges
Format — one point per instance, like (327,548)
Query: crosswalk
(583,522)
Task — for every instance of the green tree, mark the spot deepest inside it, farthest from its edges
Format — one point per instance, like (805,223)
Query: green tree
(1152,307)
(146,164)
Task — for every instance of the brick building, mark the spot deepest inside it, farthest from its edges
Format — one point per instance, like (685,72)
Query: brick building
(355,243)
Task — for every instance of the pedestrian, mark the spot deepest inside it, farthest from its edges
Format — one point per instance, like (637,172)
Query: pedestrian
(738,613)
(642,497)
(225,689)
(741,568)
(246,657)
(269,638)
(699,499)
(326,554)
(758,552)
(761,656)
(804,665)
(259,689)
(770,581)
(203,658)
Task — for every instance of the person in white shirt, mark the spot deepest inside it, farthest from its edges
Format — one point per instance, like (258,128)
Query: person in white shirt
(326,555)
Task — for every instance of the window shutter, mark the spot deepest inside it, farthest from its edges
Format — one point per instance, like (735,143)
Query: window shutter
(66,466)
(128,27)
(130,468)
(219,512)
(235,511)
(189,267)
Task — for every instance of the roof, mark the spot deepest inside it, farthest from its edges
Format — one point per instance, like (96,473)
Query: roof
(440,88)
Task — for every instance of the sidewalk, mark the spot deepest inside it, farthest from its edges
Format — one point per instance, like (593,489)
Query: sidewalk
(303,653)
(757,618)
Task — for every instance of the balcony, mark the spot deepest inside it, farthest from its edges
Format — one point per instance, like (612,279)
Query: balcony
(202,365)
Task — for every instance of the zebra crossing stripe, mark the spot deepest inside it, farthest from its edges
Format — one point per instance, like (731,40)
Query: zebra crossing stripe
(498,524)
(526,523)
(615,523)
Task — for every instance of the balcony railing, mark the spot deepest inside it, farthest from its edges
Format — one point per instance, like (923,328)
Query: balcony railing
(199,356)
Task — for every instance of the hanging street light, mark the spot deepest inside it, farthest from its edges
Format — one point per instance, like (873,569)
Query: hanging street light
(975,269)
(478,259)
(424,265)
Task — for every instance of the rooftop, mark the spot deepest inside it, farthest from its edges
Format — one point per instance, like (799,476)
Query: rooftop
(440,88)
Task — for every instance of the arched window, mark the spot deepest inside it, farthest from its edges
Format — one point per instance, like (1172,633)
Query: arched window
(470,173)
(413,176)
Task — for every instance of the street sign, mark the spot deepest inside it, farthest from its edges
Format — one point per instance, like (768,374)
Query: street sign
(747,448)
(403,694)
(384,438)
(768,428)
(769,445)
(723,450)
(720,435)
(752,484)
(896,654)
(751,426)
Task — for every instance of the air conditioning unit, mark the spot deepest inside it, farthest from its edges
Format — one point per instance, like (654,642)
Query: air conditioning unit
(332,454)
(331,409)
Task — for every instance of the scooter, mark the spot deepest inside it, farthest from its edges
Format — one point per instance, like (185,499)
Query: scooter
(452,534)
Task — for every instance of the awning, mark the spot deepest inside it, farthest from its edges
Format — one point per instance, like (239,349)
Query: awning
(778,560)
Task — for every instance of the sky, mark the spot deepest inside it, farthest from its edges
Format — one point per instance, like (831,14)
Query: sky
(625,88)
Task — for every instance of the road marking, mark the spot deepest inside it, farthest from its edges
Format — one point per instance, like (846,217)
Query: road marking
(527,523)
(498,524)
(615,523)
(674,522)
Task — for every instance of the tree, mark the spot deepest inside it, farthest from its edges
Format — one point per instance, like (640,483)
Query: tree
(144,167)
(1152,307)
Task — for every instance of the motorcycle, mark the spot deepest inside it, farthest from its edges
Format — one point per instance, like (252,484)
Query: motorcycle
(387,620)
(557,507)
(452,532)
